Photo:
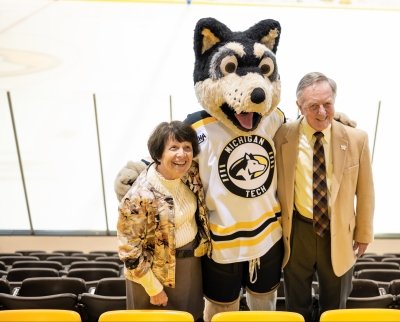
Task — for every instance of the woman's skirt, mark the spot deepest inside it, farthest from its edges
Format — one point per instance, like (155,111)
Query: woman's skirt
(186,296)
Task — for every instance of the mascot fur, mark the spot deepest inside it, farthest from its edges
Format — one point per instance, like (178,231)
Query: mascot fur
(237,83)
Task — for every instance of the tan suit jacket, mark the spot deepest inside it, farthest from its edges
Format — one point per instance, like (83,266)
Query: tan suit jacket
(352,190)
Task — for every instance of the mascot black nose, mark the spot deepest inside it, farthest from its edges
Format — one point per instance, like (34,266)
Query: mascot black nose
(258,95)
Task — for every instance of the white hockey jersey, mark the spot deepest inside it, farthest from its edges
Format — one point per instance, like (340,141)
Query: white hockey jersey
(239,178)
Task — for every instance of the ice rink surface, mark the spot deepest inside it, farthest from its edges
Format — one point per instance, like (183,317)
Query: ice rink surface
(136,59)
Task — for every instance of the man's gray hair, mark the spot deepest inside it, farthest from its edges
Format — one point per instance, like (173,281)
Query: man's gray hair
(311,79)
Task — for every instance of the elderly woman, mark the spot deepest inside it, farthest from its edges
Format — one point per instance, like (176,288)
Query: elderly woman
(163,228)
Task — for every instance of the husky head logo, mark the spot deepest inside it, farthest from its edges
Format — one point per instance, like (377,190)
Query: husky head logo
(236,75)
(247,168)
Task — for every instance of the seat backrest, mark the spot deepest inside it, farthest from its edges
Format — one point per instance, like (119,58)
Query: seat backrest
(5,286)
(94,264)
(68,252)
(257,316)
(111,286)
(66,260)
(93,305)
(105,252)
(64,301)
(39,315)
(27,252)
(378,258)
(19,274)
(89,256)
(92,274)
(380,301)
(394,287)
(44,256)
(364,288)
(41,263)
(391,260)
(380,265)
(365,259)
(114,259)
(3,266)
(383,275)
(361,315)
(43,286)
(9,260)
(146,315)
(396,254)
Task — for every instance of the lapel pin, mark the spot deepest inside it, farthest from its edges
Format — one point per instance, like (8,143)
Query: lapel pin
(343,147)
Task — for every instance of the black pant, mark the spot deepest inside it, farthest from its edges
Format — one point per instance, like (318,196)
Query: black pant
(311,253)
(223,282)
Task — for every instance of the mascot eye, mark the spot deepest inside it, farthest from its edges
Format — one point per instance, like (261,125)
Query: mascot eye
(267,66)
(228,65)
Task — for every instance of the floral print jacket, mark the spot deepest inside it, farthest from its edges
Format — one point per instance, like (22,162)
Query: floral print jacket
(146,228)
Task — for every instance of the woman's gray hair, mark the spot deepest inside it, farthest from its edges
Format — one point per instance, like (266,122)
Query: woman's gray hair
(311,79)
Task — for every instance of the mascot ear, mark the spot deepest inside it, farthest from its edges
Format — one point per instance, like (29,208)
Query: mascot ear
(208,33)
(266,32)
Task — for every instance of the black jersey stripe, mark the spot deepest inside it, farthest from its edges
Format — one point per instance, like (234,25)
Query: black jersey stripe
(196,116)
(246,233)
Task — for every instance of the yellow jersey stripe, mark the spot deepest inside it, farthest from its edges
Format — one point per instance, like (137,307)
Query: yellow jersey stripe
(243,242)
(203,122)
(244,225)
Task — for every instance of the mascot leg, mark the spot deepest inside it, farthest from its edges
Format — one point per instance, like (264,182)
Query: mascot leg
(212,308)
(261,301)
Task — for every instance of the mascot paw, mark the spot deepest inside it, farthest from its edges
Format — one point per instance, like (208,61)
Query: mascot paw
(344,119)
(126,177)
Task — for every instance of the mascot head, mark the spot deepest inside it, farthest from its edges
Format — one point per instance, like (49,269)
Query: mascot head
(236,75)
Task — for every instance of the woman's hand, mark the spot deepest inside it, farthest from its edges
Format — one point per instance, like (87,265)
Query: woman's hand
(161,299)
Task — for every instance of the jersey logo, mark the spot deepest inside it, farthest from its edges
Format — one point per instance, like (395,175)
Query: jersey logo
(247,174)
(248,167)
(201,137)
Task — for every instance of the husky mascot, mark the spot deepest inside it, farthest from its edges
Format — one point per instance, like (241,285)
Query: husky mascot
(237,83)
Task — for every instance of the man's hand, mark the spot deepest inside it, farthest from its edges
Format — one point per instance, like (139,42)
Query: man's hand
(360,248)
